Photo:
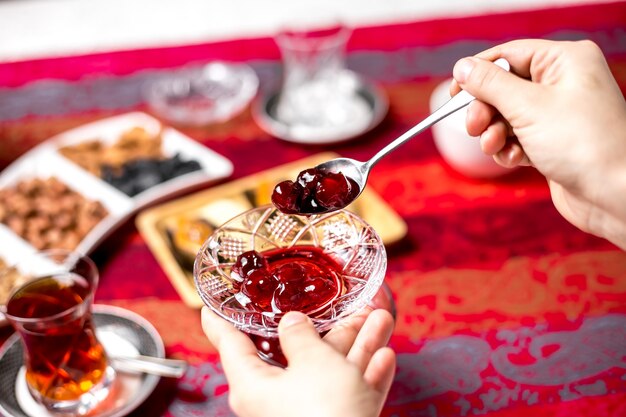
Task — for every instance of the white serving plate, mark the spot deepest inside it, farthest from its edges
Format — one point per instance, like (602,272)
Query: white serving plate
(44,161)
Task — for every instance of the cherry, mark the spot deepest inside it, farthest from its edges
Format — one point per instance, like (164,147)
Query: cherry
(303,286)
(314,191)
(246,263)
(291,272)
(310,205)
(305,295)
(259,287)
(333,191)
(299,278)
(308,180)
(287,196)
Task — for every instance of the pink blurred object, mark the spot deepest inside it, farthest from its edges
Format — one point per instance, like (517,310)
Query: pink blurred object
(460,150)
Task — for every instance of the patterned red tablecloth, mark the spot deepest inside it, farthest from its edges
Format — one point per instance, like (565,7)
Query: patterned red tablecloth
(503,307)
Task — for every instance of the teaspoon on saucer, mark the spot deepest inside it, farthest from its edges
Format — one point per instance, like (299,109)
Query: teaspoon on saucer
(173,368)
(358,171)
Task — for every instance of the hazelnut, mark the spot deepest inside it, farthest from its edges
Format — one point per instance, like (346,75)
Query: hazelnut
(64,220)
(55,187)
(46,212)
(16,224)
(39,223)
(70,240)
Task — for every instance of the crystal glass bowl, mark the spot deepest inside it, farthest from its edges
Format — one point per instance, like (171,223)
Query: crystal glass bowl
(213,93)
(342,235)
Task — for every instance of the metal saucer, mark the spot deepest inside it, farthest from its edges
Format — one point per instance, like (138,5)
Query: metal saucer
(264,112)
(15,401)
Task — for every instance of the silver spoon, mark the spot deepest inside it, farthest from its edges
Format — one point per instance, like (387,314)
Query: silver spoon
(173,368)
(359,171)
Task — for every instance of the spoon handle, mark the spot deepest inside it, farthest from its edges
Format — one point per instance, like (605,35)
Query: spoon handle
(462,99)
(173,368)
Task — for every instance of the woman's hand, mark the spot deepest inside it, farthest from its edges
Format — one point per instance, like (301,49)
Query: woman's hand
(561,111)
(348,373)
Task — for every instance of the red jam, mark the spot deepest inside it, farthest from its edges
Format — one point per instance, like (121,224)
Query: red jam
(301,278)
(315,191)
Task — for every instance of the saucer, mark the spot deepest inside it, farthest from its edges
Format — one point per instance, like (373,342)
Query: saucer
(265,112)
(122,332)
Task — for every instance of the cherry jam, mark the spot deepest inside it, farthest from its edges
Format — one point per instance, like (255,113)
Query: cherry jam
(315,191)
(300,278)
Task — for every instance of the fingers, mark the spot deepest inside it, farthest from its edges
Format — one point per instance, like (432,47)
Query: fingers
(342,336)
(496,140)
(479,116)
(493,139)
(493,85)
(374,335)
(381,369)
(525,56)
(237,352)
(511,155)
(300,341)
(519,53)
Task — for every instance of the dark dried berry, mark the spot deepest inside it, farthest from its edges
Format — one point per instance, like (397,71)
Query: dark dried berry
(142,174)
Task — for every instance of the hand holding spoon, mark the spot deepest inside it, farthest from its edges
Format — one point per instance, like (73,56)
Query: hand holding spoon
(355,172)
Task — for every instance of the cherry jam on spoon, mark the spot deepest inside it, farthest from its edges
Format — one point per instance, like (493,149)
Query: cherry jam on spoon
(334,184)
(315,191)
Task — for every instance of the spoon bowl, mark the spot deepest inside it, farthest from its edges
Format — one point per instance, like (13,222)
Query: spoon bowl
(356,170)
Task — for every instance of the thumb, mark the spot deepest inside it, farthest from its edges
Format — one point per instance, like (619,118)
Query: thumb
(493,85)
(299,340)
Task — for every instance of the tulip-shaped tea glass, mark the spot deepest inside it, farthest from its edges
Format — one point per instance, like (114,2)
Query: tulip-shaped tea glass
(328,266)
(66,366)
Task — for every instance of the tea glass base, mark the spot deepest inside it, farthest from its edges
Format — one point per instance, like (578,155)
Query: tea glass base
(83,405)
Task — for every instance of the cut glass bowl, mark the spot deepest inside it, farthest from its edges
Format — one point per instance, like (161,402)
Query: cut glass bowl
(342,235)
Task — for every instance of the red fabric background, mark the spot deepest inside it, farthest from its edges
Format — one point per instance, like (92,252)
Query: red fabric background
(503,307)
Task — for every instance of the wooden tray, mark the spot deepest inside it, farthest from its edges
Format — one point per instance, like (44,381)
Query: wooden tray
(219,204)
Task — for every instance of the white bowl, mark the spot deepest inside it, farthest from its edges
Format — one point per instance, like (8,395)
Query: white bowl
(460,150)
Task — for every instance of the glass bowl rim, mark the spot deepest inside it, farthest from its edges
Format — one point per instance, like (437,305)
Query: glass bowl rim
(73,255)
(372,286)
